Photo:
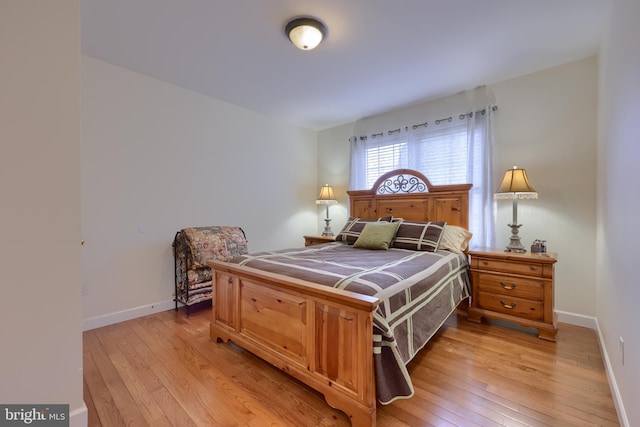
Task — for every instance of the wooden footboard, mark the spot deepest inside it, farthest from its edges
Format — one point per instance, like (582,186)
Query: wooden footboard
(322,336)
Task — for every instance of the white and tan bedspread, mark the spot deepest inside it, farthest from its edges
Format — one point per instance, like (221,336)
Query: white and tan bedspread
(418,291)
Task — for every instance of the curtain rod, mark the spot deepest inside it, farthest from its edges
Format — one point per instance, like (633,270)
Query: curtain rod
(437,122)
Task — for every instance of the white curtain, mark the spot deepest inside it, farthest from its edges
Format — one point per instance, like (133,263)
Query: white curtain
(482,210)
(358,164)
(452,150)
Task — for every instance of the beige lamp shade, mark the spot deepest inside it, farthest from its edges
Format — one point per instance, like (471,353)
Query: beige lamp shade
(326,196)
(515,185)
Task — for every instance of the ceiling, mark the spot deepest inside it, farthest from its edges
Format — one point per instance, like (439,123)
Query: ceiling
(379,55)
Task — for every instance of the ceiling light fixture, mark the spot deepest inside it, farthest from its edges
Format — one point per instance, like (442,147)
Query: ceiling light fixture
(305,33)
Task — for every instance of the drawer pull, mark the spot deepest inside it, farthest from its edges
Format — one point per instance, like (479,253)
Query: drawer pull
(485,262)
(509,306)
(230,280)
(508,287)
(534,267)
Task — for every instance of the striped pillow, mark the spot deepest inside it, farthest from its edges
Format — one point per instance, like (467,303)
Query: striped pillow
(354,226)
(419,236)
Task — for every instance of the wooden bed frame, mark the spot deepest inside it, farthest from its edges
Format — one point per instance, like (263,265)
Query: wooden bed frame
(320,335)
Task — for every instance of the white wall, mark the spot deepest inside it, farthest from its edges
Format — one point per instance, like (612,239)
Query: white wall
(546,123)
(333,169)
(40,306)
(618,286)
(157,158)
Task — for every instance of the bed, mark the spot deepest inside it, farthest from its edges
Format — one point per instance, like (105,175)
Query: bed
(344,319)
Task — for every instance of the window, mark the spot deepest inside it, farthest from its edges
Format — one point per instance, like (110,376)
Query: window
(384,159)
(442,154)
(456,150)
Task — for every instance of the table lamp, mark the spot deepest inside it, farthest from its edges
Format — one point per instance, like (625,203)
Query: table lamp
(515,185)
(326,198)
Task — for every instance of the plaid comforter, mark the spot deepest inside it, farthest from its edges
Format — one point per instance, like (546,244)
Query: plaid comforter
(418,291)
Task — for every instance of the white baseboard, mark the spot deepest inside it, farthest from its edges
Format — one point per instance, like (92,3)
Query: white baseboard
(79,417)
(124,315)
(576,319)
(613,384)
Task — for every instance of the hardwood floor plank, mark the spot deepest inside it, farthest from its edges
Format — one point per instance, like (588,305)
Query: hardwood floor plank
(451,397)
(140,381)
(215,378)
(113,406)
(92,413)
(292,403)
(505,376)
(448,381)
(206,406)
(130,345)
(164,370)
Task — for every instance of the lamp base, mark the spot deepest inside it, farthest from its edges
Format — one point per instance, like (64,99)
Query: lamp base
(514,241)
(327,228)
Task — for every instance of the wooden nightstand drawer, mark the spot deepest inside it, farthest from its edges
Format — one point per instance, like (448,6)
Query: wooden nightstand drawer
(511,286)
(520,307)
(516,287)
(508,266)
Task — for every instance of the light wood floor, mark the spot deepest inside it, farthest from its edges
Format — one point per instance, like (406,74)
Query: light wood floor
(163,370)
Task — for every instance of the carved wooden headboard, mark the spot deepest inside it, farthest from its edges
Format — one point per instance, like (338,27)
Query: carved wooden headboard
(408,194)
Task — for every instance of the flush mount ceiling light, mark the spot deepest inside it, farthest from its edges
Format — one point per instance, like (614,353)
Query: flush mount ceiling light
(305,33)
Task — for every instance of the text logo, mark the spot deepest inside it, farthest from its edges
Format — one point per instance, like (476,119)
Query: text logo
(34,415)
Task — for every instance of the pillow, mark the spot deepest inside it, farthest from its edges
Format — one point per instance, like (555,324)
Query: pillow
(455,239)
(352,229)
(377,235)
(419,236)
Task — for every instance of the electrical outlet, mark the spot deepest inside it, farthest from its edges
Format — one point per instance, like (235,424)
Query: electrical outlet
(621,350)
(85,289)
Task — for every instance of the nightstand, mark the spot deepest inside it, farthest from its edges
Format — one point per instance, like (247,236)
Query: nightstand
(316,240)
(516,287)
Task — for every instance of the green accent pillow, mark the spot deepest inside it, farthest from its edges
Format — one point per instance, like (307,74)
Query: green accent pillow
(377,235)
(354,226)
